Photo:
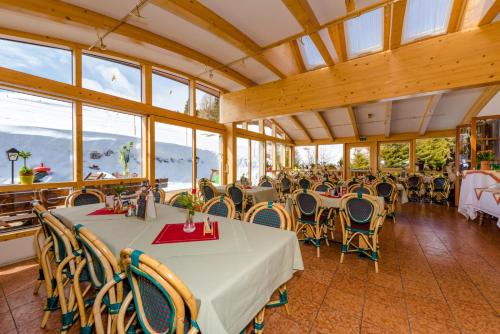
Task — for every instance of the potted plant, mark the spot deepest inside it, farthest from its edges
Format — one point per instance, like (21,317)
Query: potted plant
(26,175)
(125,157)
(485,157)
(191,202)
(25,155)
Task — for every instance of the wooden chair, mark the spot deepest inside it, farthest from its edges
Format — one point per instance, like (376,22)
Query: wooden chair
(174,200)
(163,303)
(207,189)
(275,216)
(360,217)
(414,185)
(221,206)
(236,193)
(66,258)
(285,187)
(389,191)
(352,182)
(440,190)
(322,187)
(85,196)
(40,241)
(106,280)
(360,187)
(267,182)
(304,183)
(312,219)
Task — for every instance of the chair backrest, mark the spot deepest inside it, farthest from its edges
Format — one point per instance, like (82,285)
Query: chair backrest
(236,193)
(221,206)
(322,187)
(285,183)
(439,183)
(85,196)
(163,303)
(100,261)
(352,182)
(385,189)
(360,213)
(265,181)
(414,181)
(355,188)
(269,214)
(304,183)
(175,200)
(207,190)
(306,204)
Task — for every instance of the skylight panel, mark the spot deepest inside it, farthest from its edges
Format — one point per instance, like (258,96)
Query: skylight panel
(312,57)
(364,33)
(426,18)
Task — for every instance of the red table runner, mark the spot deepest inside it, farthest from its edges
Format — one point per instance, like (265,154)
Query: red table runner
(104,211)
(173,233)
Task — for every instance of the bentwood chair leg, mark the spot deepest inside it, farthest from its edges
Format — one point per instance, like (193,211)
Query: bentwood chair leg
(376,266)
(259,322)
(46,315)
(342,257)
(38,283)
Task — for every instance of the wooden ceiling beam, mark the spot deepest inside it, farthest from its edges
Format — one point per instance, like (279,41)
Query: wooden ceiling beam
(72,15)
(398,16)
(297,57)
(354,123)
(203,17)
(480,103)
(388,118)
(300,126)
(457,15)
(350,6)
(491,13)
(387,27)
(337,35)
(324,124)
(460,60)
(304,14)
(429,111)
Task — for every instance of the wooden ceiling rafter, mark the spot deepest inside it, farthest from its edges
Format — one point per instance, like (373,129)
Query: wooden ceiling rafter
(297,57)
(429,111)
(304,14)
(397,22)
(456,15)
(201,16)
(73,15)
(490,15)
(301,126)
(387,26)
(337,36)
(324,124)
(387,119)
(278,126)
(354,123)
(350,6)
(481,102)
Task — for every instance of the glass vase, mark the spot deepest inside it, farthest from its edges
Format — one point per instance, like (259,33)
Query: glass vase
(189,225)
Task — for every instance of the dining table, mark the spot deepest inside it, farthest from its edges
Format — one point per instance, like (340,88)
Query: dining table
(232,277)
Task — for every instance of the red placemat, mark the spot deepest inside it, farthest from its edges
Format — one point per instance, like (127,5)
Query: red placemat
(104,211)
(173,233)
(247,187)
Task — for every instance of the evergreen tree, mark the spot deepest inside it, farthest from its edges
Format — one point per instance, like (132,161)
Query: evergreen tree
(186,108)
(435,151)
(394,155)
(359,160)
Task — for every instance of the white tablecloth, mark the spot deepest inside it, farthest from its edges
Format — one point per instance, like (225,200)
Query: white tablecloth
(258,194)
(232,278)
(469,204)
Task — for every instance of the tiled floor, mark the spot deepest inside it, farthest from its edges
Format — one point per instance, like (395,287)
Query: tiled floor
(438,274)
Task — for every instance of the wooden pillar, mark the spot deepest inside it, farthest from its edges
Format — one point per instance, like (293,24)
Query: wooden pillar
(192,97)
(316,154)
(413,155)
(195,170)
(77,67)
(148,148)
(473,144)
(77,144)
(147,84)
(229,158)
(346,161)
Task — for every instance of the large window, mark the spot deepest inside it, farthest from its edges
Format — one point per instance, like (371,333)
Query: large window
(426,18)
(174,155)
(310,54)
(331,154)
(305,156)
(40,126)
(111,144)
(269,156)
(435,153)
(242,158)
(394,155)
(364,33)
(359,159)
(257,168)
(280,156)
(43,61)
(253,126)
(207,103)
(170,92)
(111,77)
(208,156)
